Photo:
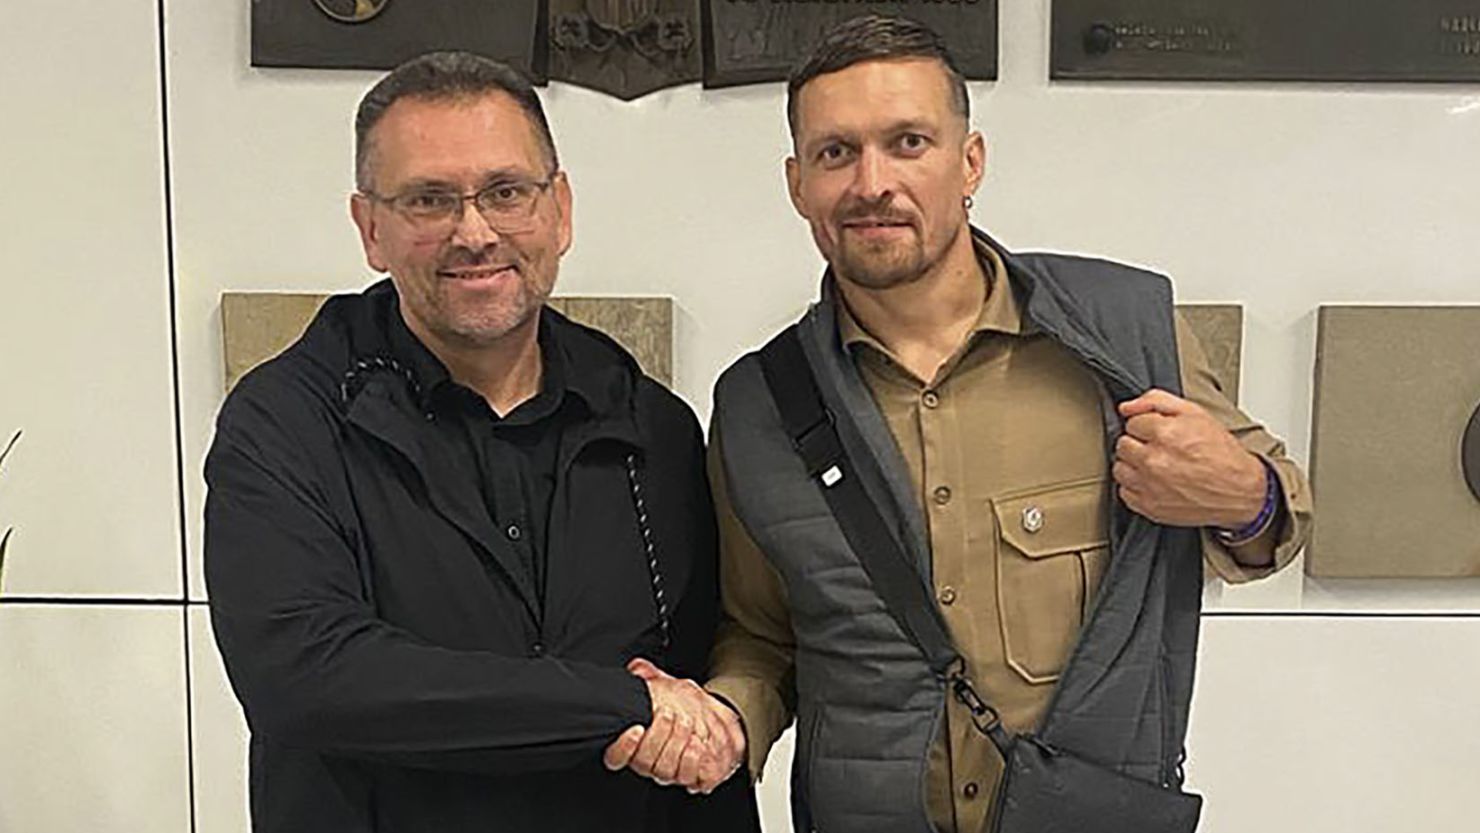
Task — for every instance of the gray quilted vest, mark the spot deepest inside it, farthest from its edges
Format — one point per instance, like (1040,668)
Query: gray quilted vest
(868,705)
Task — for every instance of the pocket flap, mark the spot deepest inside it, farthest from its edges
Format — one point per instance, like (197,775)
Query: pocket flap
(1066,517)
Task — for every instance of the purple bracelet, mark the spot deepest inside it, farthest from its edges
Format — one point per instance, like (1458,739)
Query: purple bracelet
(1256,527)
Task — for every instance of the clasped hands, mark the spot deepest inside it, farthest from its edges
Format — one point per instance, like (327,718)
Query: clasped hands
(694,741)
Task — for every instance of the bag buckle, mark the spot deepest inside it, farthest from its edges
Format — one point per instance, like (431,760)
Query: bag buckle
(821,450)
(986,718)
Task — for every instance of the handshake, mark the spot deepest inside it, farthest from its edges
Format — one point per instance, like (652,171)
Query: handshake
(695,740)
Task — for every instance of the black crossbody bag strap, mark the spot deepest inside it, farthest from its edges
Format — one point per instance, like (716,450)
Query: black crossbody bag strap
(814,434)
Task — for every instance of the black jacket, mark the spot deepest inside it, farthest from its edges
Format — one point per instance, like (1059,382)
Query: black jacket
(398,674)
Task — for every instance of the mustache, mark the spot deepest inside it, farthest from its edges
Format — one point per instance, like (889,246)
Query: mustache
(876,212)
(460,257)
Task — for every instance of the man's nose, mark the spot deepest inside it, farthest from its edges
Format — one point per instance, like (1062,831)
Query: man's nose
(873,178)
(472,230)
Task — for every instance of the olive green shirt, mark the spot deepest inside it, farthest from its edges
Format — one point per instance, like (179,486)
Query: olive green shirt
(1007,452)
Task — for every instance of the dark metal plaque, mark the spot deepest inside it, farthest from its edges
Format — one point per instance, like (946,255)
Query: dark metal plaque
(753,41)
(1470,454)
(378,34)
(1266,40)
(626,48)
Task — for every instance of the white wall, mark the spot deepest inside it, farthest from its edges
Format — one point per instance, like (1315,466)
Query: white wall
(1278,197)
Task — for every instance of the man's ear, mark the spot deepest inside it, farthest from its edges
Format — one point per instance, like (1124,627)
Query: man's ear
(363,213)
(975,160)
(564,202)
(794,186)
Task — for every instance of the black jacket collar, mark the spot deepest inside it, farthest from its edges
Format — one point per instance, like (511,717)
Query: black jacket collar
(589,364)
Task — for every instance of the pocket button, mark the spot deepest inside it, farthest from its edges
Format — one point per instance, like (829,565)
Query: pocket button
(1032,519)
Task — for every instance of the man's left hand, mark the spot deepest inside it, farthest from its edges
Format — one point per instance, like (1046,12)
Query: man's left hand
(1179,466)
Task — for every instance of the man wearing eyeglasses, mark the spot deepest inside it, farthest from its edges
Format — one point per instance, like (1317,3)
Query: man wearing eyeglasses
(456,544)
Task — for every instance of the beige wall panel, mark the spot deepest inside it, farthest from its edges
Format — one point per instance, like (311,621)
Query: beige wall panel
(1220,330)
(220,736)
(642,325)
(92,720)
(1395,390)
(258,325)
(1336,725)
(255,326)
(85,367)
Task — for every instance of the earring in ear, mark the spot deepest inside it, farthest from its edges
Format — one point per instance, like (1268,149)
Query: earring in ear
(968,202)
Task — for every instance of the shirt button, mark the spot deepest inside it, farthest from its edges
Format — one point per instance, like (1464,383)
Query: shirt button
(514,532)
(942,495)
(970,790)
(931,399)
(537,649)
(948,596)
(1033,519)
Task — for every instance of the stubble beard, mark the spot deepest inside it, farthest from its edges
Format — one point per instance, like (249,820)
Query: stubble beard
(478,320)
(880,266)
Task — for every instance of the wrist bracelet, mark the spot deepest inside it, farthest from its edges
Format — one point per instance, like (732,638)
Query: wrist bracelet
(1256,527)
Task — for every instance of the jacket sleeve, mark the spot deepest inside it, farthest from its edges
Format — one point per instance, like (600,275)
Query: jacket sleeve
(1278,545)
(753,663)
(315,668)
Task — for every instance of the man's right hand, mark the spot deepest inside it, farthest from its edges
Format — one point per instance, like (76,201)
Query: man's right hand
(695,740)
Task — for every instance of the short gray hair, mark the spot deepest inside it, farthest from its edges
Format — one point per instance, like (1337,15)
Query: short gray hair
(445,76)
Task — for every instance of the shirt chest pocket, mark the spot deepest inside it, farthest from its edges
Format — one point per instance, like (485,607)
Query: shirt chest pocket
(1052,552)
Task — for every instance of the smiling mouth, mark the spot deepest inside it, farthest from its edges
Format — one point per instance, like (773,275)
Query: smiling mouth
(475,273)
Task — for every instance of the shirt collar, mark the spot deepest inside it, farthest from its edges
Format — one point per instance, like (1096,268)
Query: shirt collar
(438,387)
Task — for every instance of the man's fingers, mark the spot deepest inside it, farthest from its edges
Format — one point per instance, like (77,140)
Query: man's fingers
(691,764)
(653,741)
(665,770)
(1136,407)
(645,670)
(1130,449)
(1126,475)
(1155,401)
(1136,502)
(621,750)
(1145,427)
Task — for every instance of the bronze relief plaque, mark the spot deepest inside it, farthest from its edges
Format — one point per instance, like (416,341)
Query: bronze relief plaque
(753,41)
(626,48)
(1266,40)
(379,34)
(351,11)
(1393,442)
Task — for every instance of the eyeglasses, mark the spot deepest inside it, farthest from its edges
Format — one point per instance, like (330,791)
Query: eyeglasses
(506,205)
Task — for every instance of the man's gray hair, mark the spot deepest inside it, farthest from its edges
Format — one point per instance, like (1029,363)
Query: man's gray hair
(445,76)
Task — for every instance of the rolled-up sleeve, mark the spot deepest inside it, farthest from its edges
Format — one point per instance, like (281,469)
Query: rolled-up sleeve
(1286,535)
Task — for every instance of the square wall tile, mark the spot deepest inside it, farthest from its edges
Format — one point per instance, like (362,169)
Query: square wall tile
(92,713)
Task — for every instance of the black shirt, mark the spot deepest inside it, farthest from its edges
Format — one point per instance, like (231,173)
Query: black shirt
(512,457)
